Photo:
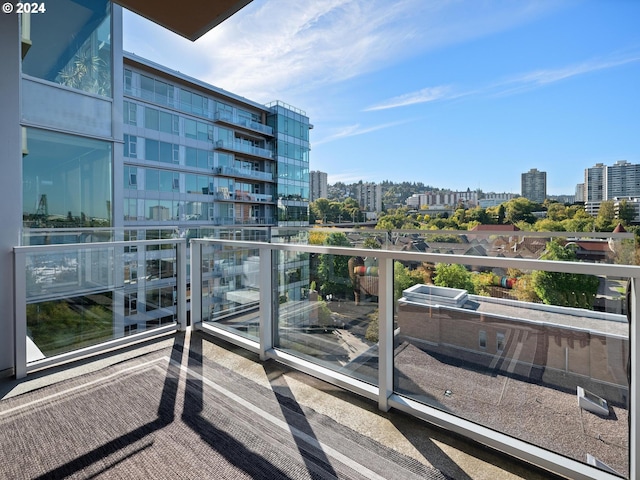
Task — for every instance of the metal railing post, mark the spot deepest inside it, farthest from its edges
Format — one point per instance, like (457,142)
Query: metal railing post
(20,314)
(385,332)
(181,284)
(634,387)
(196,283)
(266,302)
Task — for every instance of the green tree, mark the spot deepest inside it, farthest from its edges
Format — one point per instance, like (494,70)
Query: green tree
(606,216)
(520,209)
(501,214)
(333,270)
(556,212)
(548,225)
(626,212)
(453,276)
(404,278)
(320,209)
(479,215)
(564,289)
(371,242)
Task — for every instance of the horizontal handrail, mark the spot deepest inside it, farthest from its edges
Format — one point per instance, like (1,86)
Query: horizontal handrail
(615,270)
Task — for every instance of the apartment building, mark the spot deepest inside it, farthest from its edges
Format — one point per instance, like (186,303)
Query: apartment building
(493,199)
(602,182)
(446,198)
(534,185)
(579,196)
(318,181)
(104,139)
(369,197)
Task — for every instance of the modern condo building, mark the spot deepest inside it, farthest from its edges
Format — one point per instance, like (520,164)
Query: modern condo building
(96,138)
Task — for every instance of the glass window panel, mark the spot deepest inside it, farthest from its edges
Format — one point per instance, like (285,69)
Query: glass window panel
(196,103)
(151,149)
(164,211)
(130,209)
(146,87)
(203,184)
(202,131)
(152,179)
(128,81)
(153,209)
(166,181)
(166,122)
(161,89)
(185,100)
(74,50)
(176,153)
(151,118)
(203,158)
(130,146)
(130,113)
(166,152)
(67,181)
(191,183)
(190,128)
(191,157)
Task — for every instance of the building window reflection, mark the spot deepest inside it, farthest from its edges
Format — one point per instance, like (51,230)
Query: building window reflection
(71,45)
(67,181)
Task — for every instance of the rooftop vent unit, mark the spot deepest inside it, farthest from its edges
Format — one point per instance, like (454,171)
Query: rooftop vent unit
(593,403)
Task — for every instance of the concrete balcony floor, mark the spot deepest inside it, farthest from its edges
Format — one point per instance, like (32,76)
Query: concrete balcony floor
(190,406)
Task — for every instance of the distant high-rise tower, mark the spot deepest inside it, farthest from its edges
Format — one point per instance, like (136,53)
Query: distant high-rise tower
(369,196)
(534,185)
(594,183)
(622,179)
(318,182)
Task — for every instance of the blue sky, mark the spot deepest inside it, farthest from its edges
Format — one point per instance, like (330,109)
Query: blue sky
(453,93)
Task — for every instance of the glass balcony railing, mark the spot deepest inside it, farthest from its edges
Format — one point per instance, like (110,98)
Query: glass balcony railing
(244,173)
(77,298)
(228,117)
(528,356)
(244,148)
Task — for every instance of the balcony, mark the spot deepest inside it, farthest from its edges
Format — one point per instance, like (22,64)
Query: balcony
(244,173)
(244,123)
(502,372)
(239,147)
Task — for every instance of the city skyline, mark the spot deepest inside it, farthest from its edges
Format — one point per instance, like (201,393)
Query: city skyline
(495,89)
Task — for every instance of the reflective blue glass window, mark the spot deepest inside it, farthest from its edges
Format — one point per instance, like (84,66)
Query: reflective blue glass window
(71,45)
(66,181)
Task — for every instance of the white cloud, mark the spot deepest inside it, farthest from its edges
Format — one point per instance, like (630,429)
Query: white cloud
(541,78)
(354,130)
(428,94)
(277,48)
(510,86)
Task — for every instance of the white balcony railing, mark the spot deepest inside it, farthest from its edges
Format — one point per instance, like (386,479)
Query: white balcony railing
(243,122)
(72,300)
(244,148)
(501,371)
(243,172)
(491,369)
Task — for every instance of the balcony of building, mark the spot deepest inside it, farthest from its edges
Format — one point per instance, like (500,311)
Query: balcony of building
(243,123)
(244,148)
(314,361)
(244,173)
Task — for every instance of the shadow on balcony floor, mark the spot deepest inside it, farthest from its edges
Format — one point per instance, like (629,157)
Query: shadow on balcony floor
(212,411)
